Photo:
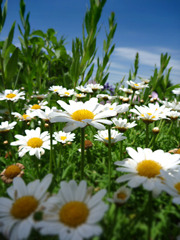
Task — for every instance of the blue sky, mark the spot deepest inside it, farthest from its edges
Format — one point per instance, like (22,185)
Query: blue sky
(150,27)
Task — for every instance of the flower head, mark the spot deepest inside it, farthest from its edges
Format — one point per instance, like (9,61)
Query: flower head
(34,142)
(5,126)
(12,95)
(16,212)
(136,86)
(74,212)
(64,137)
(102,136)
(65,92)
(79,114)
(95,87)
(12,171)
(55,89)
(84,89)
(121,195)
(144,167)
(122,125)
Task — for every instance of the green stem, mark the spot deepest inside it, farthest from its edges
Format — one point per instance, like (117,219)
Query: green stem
(172,122)
(9,108)
(51,147)
(147,134)
(82,151)
(121,148)
(109,158)
(149,215)
(132,99)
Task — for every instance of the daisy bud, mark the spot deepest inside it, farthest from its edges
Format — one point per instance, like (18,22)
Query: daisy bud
(155,130)
(5,142)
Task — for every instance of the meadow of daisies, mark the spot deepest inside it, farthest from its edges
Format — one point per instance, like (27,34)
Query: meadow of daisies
(80,158)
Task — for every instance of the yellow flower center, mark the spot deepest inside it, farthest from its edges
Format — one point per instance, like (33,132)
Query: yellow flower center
(121,195)
(82,114)
(111,108)
(74,213)
(36,106)
(35,142)
(66,93)
(25,116)
(10,95)
(78,95)
(178,151)
(55,90)
(142,115)
(136,84)
(23,207)
(108,138)
(177,187)
(148,168)
(63,138)
(12,171)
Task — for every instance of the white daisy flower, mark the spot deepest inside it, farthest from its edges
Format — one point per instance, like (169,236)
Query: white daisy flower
(56,88)
(73,214)
(121,196)
(47,113)
(34,142)
(36,106)
(80,95)
(106,97)
(95,87)
(84,89)
(136,86)
(172,185)
(66,93)
(64,137)
(79,114)
(117,108)
(174,105)
(144,168)
(173,115)
(145,80)
(27,116)
(176,91)
(122,125)
(148,115)
(17,212)
(103,136)
(126,90)
(5,126)
(12,95)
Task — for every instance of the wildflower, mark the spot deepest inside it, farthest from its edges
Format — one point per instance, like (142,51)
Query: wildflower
(12,95)
(74,212)
(175,151)
(136,86)
(63,137)
(27,116)
(95,87)
(12,171)
(5,126)
(55,89)
(102,136)
(47,113)
(80,95)
(172,185)
(79,114)
(121,196)
(39,105)
(34,142)
(66,93)
(16,212)
(84,89)
(155,130)
(173,115)
(106,97)
(144,80)
(126,90)
(144,168)
(176,91)
(117,108)
(122,125)
(174,105)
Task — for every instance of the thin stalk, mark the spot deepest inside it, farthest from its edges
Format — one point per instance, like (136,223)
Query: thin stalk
(172,122)
(149,215)
(109,158)
(51,147)
(10,110)
(147,134)
(121,148)
(82,151)
(132,99)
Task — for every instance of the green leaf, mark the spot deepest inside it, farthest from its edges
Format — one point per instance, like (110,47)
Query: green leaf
(11,67)
(9,39)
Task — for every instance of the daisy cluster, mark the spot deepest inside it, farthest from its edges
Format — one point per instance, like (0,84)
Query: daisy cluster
(48,131)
